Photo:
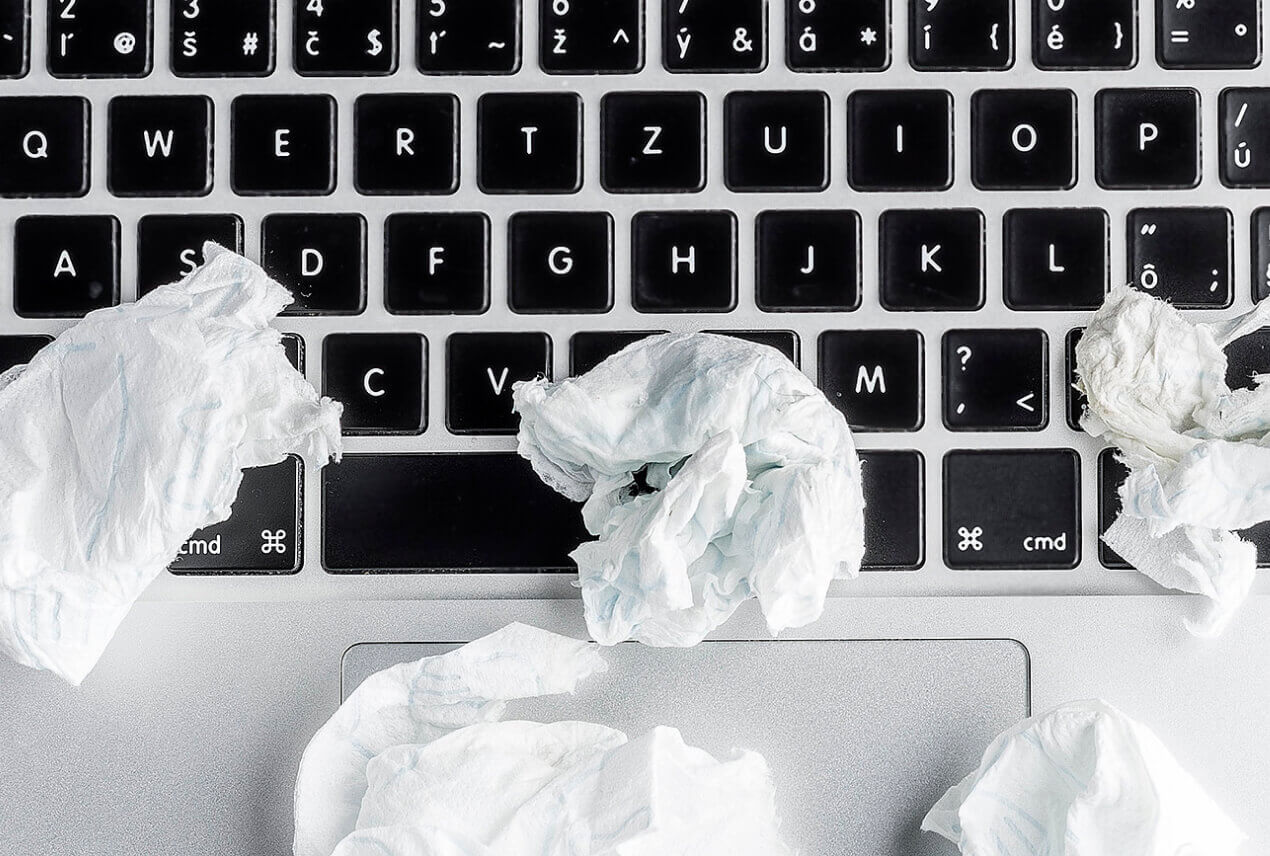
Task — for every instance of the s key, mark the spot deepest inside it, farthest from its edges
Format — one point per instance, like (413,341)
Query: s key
(381,378)
(480,371)
(44,146)
(170,246)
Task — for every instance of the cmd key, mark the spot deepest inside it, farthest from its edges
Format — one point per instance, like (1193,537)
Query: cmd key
(44,146)
(15,37)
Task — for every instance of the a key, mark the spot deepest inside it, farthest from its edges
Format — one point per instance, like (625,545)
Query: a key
(321,258)
(653,142)
(785,341)
(951,36)
(808,261)
(874,377)
(481,369)
(932,259)
(560,262)
(381,378)
(99,38)
(170,246)
(838,36)
(1056,258)
(894,510)
(44,146)
(714,35)
(899,140)
(1244,120)
(406,144)
(65,266)
(20,350)
(1083,34)
(293,345)
(160,145)
(529,143)
(1023,139)
(437,264)
(776,141)
(460,37)
(1182,255)
(996,380)
(1076,400)
(1147,138)
(261,536)
(15,38)
(283,145)
(333,37)
(444,512)
(1260,254)
(591,36)
(684,262)
(588,349)
(226,38)
(1208,33)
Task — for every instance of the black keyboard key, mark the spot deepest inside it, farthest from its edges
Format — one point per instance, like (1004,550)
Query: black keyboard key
(1244,121)
(1076,400)
(714,35)
(591,36)
(261,536)
(44,146)
(950,36)
(529,143)
(932,259)
(838,36)
(321,258)
(900,140)
(684,262)
(1083,34)
(283,145)
(480,371)
(160,145)
(170,246)
(437,264)
(65,266)
(1246,358)
(776,141)
(1182,255)
(406,144)
(20,350)
(444,512)
(808,261)
(99,38)
(1056,258)
(996,380)
(293,345)
(461,37)
(1260,254)
(1017,509)
(587,350)
(381,378)
(653,142)
(1023,139)
(1208,33)
(560,262)
(874,377)
(335,38)
(785,341)
(1147,138)
(894,510)
(15,38)
(226,38)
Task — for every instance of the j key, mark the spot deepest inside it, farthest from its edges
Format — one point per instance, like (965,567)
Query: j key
(1023,139)
(381,378)
(99,38)
(900,140)
(160,145)
(996,380)
(874,377)
(44,146)
(222,39)
(1147,138)
(339,37)
(684,262)
(444,512)
(1245,137)
(1182,255)
(1085,34)
(1260,254)
(1056,258)
(530,143)
(481,369)
(808,261)
(953,36)
(591,36)
(932,259)
(437,264)
(65,266)
(293,345)
(894,510)
(1208,33)
(20,350)
(588,350)
(839,36)
(560,262)
(15,37)
(1076,400)
(785,341)
(714,35)
(261,536)
(283,145)
(653,142)
(321,258)
(406,144)
(170,246)
(457,37)
(776,141)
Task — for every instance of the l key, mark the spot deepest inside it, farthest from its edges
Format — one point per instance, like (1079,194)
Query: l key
(481,369)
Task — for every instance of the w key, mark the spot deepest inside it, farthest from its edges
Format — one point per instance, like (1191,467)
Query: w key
(481,369)
(160,145)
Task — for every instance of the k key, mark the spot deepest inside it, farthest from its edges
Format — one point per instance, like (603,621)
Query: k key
(1085,34)
(15,37)
(65,266)
(932,259)
(714,35)
(776,141)
(952,36)
(283,145)
(684,262)
(808,261)
(99,38)
(321,258)
(437,264)
(160,145)
(996,380)
(222,39)
(339,37)
(591,36)
(560,262)
(1182,255)
(170,246)
(839,36)
(899,140)
(653,142)
(1208,33)
(44,146)
(874,377)
(481,369)
(406,144)
(462,37)
(381,378)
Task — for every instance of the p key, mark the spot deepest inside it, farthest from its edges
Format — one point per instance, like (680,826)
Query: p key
(65,267)
(481,369)
(44,146)
(1147,138)
(381,380)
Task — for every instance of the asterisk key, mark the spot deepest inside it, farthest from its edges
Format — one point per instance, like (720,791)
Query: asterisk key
(868,35)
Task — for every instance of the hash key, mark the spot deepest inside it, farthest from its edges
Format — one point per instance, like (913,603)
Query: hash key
(226,38)
(874,377)
(345,37)
(1182,255)
(996,380)
(480,371)
(465,37)
(99,38)
(381,378)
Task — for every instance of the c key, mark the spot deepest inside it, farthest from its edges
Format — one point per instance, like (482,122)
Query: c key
(380,378)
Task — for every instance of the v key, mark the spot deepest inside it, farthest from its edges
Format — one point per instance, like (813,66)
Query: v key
(482,369)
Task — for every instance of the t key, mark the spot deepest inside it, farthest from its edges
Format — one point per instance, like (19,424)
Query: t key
(65,266)
(481,369)
(874,377)
(339,37)
(462,37)
(714,35)
(996,380)
(591,36)
(15,37)
(952,36)
(529,143)
(381,378)
(1208,33)
(222,39)
(44,146)
(1182,255)
(99,38)
(1085,34)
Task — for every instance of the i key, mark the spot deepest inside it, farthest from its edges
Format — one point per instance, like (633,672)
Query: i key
(338,37)
(99,38)
(1147,138)
(1082,34)
(481,369)
(874,377)
(321,258)
(945,35)
(894,510)
(170,246)
(1023,139)
(381,378)
(44,146)
(1208,33)
(15,37)
(529,143)
(283,145)
(776,141)
(996,380)
(1182,255)
(437,264)
(899,140)
(1056,258)
(591,36)
(684,262)
(406,144)
(1244,117)
(160,145)
(222,39)
(462,37)
(808,261)
(65,266)
(838,36)
(932,259)
(714,35)
(653,142)
(560,262)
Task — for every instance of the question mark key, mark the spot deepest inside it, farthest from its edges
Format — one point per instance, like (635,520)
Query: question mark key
(995,380)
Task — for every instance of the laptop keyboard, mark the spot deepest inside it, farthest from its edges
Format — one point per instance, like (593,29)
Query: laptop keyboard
(917,201)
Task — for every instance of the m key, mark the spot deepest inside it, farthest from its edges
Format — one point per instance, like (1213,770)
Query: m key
(481,369)
(874,377)
(996,380)
(381,378)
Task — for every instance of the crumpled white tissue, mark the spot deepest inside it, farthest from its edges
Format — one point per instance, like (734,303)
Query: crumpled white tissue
(126,435)
(1198,452)
(416,763)
(713,471)
(1082,780)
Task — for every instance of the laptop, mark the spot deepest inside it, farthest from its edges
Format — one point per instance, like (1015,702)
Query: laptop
(918,201)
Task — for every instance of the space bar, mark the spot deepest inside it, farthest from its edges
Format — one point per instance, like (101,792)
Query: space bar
(444,512)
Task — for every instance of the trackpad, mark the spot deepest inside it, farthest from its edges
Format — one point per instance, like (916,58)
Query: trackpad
(862,736)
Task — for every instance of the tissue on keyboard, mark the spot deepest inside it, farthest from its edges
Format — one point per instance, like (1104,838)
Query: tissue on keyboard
(1198,452)
(1082,780)
(713,471)
(127,434)
(417,763)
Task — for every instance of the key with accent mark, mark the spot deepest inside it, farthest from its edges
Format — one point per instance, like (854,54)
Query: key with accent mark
(950,36)
(714,35)
(99,38)
(591,36)
(1182,255)
(1082,34)
(853,36)
(462,37)
(340,38)
(222,38)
